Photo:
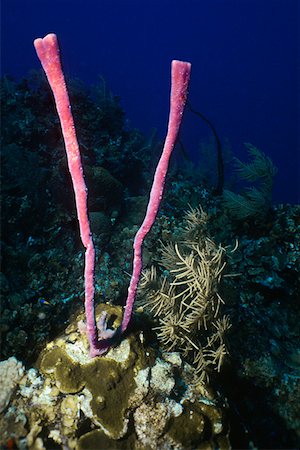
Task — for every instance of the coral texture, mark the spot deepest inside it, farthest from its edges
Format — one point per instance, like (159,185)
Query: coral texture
(11,372)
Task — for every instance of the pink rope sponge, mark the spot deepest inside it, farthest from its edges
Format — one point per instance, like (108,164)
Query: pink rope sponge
(100,338)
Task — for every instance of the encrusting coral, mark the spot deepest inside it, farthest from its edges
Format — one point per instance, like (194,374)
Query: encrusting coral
(185,299)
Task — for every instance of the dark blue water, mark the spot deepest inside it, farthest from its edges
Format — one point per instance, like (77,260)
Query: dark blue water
(244,56)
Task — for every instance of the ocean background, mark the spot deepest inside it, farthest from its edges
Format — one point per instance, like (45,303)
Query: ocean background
(244,55)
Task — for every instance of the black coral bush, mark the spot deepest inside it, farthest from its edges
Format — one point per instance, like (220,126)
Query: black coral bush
(254,201)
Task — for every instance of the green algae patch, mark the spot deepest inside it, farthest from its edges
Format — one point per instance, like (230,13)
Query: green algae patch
(96,439)
(111,386)
(109,382)
(66,372)
(188,429)
(200,425)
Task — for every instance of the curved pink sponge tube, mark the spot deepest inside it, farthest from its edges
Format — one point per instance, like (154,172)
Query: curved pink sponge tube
(48,52)
(180,80)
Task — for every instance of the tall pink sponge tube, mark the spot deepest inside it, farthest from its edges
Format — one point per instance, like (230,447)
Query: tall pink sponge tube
(180,79)
(48,52)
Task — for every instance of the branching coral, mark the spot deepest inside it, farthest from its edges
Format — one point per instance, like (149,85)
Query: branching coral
(185,299)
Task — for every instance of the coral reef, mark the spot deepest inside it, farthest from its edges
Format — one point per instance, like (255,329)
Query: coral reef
(41,284)
(130,398)
(262,301)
